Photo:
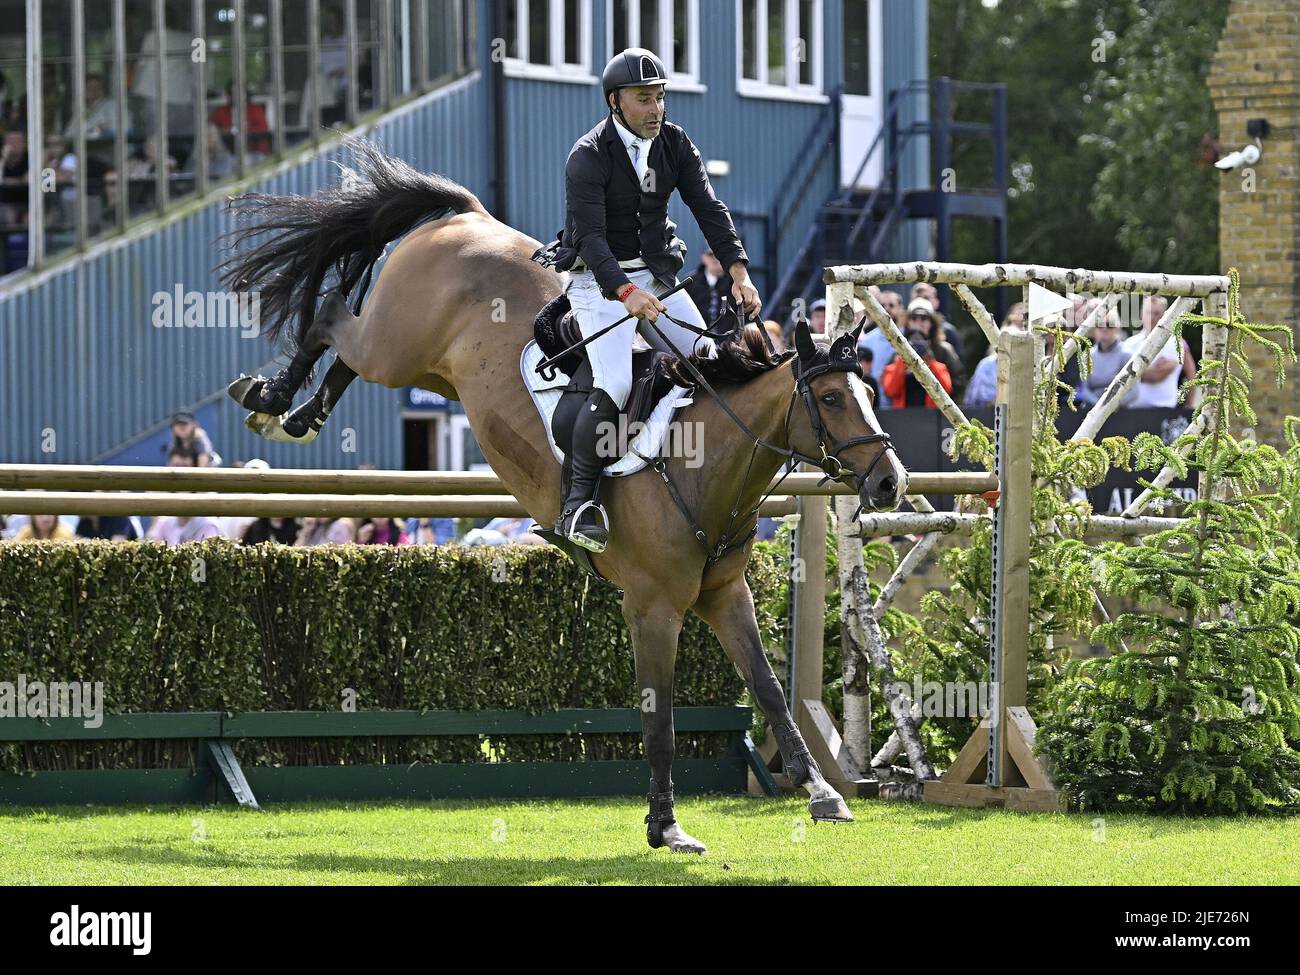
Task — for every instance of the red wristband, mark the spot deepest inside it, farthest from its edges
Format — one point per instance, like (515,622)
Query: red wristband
(626,290)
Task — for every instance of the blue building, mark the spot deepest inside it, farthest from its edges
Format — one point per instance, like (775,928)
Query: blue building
(805,111)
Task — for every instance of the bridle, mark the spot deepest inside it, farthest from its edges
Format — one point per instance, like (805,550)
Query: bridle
(830,464)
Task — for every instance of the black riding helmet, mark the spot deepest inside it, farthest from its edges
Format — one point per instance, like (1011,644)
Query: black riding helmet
(635,66)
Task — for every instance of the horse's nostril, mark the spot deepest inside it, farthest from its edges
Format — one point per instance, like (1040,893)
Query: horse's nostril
(888,485)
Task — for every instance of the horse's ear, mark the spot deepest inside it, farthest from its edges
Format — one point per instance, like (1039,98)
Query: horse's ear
(803,342)
(857,332)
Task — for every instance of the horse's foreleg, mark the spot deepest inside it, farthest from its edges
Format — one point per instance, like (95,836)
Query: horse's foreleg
(655,629)
(729,611)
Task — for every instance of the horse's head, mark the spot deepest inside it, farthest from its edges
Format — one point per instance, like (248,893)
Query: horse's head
(837,424)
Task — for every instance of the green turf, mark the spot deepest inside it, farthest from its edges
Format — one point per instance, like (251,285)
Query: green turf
(602,842)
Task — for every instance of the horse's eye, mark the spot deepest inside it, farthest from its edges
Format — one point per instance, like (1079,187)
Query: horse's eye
(830,399)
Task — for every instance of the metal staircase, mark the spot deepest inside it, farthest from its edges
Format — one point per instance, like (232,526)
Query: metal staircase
(858,227)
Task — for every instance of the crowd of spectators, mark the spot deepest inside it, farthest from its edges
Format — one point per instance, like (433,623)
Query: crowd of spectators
(190,446)
(939,345)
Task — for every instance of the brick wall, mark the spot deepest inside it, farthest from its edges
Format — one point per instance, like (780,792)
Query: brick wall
(1256,74)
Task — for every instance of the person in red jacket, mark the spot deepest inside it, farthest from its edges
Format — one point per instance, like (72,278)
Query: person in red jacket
(901,386)
(259,130)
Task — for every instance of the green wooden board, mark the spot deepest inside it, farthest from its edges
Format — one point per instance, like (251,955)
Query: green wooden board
(115,727)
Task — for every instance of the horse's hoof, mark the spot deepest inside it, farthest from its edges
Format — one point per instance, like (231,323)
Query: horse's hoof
(829,809)
(246,390)
(250,393)
(677,840)
(272,428)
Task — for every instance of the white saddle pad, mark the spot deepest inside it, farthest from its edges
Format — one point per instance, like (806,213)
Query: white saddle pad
(648,441)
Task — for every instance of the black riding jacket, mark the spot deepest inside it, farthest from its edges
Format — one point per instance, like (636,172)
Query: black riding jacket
(609,218)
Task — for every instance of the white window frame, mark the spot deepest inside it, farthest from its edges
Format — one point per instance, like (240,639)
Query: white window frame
(792,90)
(558,69)
(677,80)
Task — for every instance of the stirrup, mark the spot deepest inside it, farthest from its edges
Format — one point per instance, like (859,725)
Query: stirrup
(575,536)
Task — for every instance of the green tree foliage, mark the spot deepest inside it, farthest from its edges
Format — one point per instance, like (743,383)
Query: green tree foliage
(1197,708)
(1153,124)
(1108,114)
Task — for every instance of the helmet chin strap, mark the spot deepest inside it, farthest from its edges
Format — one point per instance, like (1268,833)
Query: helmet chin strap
(617,111)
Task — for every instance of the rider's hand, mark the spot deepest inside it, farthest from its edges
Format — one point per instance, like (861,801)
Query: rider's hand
(643,305)
(743,291)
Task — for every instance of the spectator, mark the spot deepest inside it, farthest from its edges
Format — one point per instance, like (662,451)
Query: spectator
(221,161)
(188,436)
(710,287)
(1108,357)
(259,130)
(1159,385)
(13,178)
(1188,374)
(112,195)
(921,315)
(179,529)
(100,113)
(233,527)
(282,531)
(865,356)
(431,531)
(44,528)
(13,524)
(983,388)
(901,386)
(117,528)
(332,79)
(381,531)
(817,317)
(923,289)
(59,158)
(515,530)
(1068,376)
(327,531)
(875,340)
(180,76)
(145,165)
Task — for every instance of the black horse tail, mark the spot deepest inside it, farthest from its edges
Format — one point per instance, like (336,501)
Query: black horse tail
(294,242)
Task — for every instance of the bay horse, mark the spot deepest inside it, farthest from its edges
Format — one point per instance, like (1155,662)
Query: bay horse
(451,311)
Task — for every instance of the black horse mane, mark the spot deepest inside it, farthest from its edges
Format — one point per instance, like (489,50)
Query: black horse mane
(741,357)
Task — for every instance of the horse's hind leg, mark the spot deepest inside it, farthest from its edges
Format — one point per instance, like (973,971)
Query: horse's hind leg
(729,611)
(274,396)
(655,628)
(304,423)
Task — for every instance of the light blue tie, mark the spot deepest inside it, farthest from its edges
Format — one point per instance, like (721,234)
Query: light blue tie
(641,147)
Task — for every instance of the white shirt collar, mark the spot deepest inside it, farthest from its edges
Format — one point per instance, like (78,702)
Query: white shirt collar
(627,135)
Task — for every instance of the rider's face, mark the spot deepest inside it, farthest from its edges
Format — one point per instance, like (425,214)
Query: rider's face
(643,108)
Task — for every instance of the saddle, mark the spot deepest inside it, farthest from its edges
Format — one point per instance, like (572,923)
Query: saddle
(556,328)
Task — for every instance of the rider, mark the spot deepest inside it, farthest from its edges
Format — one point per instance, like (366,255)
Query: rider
(621,248)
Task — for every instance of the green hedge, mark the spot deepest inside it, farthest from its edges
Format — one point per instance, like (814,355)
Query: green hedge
(215,626)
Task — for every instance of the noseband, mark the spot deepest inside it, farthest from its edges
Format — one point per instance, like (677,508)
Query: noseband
(830,462)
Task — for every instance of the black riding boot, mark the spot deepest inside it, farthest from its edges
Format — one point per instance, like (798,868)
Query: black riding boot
(582,520)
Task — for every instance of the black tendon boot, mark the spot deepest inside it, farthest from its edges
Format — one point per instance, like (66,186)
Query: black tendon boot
(798,761)
(582,520)
(660,816)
